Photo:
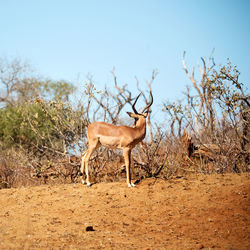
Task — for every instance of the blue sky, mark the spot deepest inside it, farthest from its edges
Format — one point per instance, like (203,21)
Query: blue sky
(63,39)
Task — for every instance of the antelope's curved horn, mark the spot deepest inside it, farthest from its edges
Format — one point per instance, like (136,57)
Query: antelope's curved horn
(133,106)
(150,104)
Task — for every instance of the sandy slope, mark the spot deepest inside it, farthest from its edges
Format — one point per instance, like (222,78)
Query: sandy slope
(194,213)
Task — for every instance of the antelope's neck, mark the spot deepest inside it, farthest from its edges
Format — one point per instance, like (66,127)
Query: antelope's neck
(141,126)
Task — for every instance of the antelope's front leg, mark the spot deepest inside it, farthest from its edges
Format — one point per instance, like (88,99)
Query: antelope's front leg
(127,158)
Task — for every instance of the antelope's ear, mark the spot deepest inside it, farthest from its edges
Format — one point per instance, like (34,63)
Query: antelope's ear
(145,114)
(132,114)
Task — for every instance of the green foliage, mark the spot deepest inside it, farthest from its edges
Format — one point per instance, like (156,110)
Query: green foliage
(18,83)
(34,112)
(40,125)
(225,87)
(10,123)
(56,90)
(45,89)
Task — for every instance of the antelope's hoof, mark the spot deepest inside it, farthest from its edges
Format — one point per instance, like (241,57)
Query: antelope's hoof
(131,185)
(83,182)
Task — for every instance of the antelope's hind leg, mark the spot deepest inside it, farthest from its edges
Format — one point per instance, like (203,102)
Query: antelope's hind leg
(85,160)
(83,168)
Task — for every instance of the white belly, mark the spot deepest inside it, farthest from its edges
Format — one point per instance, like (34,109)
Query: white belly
(109,141)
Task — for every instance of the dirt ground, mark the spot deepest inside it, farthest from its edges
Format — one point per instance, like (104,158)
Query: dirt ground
(198,212)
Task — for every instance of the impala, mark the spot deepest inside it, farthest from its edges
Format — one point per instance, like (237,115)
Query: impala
(112,136)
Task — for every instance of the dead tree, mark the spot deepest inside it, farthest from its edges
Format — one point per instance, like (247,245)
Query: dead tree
(205,112)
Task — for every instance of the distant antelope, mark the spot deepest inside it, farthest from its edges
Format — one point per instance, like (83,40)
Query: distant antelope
(112,136)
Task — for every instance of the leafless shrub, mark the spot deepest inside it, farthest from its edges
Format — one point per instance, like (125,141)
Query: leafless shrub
(64,169)
(15,169)
(216,113)
(150,158)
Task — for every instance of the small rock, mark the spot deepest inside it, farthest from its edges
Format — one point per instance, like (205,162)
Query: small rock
(89,229)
